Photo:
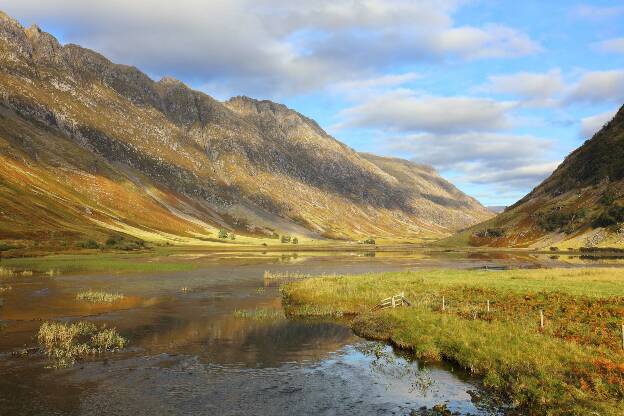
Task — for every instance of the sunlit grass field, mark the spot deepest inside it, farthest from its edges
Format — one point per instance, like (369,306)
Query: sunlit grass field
(573,365)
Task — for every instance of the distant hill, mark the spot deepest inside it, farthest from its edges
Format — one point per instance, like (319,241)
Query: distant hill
(90,149)
(580,205)
(497,208)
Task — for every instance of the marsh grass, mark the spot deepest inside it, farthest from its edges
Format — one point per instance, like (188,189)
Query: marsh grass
(66,343)
(574,365)
(285,276)
(6,272)
(95,296)
(106,262)
(259,314)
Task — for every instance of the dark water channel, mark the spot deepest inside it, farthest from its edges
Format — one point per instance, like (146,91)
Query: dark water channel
(191,353)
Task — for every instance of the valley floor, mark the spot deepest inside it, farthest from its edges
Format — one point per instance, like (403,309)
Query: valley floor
(573,365)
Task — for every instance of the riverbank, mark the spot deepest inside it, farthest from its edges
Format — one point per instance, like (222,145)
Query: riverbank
(574,364)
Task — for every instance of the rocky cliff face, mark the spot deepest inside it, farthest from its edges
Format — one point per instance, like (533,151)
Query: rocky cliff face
(580,205)
(108,149)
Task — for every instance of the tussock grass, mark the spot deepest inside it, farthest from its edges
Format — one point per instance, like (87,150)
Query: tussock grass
(66,343)
(285,276)
(259,314)
(5,272)
(574,365)
(95,296)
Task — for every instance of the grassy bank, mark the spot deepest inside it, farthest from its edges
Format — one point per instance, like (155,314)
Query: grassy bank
(574,365)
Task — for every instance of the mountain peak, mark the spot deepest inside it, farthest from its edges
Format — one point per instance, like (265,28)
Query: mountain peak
(170,81)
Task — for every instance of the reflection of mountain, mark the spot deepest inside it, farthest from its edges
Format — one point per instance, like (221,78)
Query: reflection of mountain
(89,148)
(230,340)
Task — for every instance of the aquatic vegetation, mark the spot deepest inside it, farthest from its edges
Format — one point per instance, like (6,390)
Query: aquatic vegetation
(106,262)
(5,272)
(95,296)
(259,314)
(66,343)
(489,324)
(268,275)
(26,273)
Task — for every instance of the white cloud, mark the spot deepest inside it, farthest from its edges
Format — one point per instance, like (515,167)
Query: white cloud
(599,86)
(591,125)
(492,41)
(591,12)
(273,46)
(514,162)
(384,81)
(520,177)
(533,86)
(615,45)
(405,111)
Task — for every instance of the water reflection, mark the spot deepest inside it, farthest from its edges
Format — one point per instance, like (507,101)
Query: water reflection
(188,321)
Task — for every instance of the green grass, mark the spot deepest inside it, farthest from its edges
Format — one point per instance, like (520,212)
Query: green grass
(94,296)
(125,263)
(259,314)
(66,343)
(573,366)
(6,272)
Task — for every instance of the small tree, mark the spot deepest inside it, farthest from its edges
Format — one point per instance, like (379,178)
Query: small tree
(285,239)
(223,234)
(232,236)
(295,240)
(369,241)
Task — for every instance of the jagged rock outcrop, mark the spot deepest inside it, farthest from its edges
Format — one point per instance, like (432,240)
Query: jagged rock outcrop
(104,139)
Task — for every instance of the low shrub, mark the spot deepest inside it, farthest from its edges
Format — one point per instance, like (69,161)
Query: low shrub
(89,244)
(612,216)
(490,233)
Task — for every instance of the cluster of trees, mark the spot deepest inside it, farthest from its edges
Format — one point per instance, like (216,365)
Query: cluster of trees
(490,233)
(610,217)
(561,220)
(223,235)
(285,239)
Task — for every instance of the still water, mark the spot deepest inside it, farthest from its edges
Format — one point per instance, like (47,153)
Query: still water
(191,353)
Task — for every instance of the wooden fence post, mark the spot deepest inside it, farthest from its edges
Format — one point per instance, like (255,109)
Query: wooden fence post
(488,305)
(623,336)
(443,304)
(541,319)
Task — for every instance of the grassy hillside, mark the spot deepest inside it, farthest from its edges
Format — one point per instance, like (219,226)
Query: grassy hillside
(92,149)
(580,205)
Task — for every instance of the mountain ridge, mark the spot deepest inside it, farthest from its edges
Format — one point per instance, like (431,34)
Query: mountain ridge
(251,166)
(581,204)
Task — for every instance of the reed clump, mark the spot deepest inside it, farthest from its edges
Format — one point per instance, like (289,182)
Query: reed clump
(259,314)
(95,296)
(66,343)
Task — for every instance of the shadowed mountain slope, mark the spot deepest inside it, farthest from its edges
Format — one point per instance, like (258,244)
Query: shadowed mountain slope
(90,148)
(580,205)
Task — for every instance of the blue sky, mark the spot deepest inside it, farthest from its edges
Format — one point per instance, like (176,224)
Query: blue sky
(494,94)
